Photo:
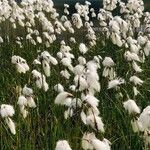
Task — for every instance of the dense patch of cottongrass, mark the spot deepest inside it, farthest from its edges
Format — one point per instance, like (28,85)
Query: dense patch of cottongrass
(81,72)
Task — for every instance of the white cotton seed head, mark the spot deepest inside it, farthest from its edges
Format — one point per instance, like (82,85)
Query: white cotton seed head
(136,80)
(1,40)
(25,66)
(65,74)
(73,40)
(136,125)
(83,117)
(79,69)
(22,101)
(131,107)
(7,111)
(66,62)
(39,39)
(59,55)
(50,59)
(68,113)
(100,145)
(83,49)
(109,72)
(147,140)
(20,63)
(147,48)
(131,56)
(67,101)
(45,86)
(20,68)
(46,68)
(145,118)
(23,111)
(31,102)
(27,91)
(95,122)
(92,111)
(82,84)
(82,60)
(58,88)
(36,74)
(92,66)
(53,60)
(91,100)
(136,67)
(86,141)
(72,87)
(108,62)
(61,97)
(36,62)
(114,83)
(77,21)
(11,125)
(63,145)
(39,83)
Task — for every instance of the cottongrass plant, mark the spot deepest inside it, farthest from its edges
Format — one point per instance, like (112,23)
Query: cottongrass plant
(77,81)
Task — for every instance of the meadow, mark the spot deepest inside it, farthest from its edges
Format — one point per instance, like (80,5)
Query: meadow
(74,81)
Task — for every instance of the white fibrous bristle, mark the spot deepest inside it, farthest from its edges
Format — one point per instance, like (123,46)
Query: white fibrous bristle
(62,145)
(131,107)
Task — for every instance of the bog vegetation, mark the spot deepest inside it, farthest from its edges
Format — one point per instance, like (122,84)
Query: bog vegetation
(74,81)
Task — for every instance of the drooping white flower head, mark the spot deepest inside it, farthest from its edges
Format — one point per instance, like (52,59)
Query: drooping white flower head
(136,67)
(59,88)
(101,145)
(86,141)
(21,64)
(131,107)
(11,125)
(63,145)
(79,70)
(108,62)
(114,83)
(22,101)
(82,47)
(130,56)
(68,113)
(65,74)
(67,62)
(66,6)
(7,110)
(46,68)
(62,98)
(136,80)
(31,103)
(82,60)
(40,80)
(110,5)
(50,59)
(91,100)
(147,48)
(77,21)
(145,118)
(136,125)
(27,91)
(95,122)
(73,40)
